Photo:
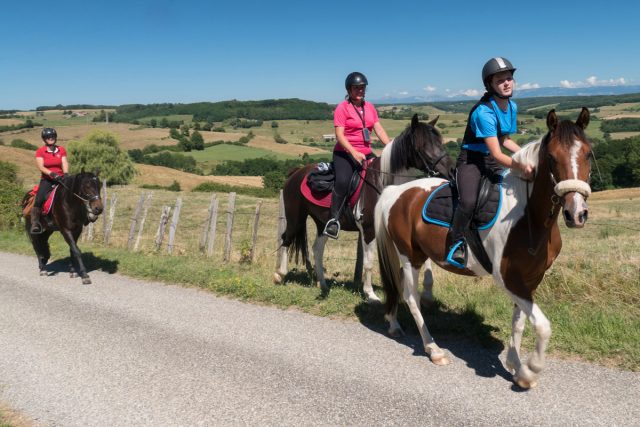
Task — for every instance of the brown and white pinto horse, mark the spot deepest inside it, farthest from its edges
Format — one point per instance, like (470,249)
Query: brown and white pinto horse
(418,148)
(522,244)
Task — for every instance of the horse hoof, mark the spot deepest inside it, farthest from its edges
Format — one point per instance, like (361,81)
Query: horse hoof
(440,360)
(86,281)
(396,333)
(277,278)
(522,383)
(426,302)
(73,275)
(43,272)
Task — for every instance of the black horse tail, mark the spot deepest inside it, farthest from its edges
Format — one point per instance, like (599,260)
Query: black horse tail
(390,274)
(297,243)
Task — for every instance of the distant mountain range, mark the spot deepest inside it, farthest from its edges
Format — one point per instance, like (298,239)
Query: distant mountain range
(520,93)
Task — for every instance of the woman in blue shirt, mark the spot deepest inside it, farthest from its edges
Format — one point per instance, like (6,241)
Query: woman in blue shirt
(491,122)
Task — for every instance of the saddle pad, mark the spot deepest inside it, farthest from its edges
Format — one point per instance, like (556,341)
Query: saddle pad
(324,199)
(48,204)
(438,209)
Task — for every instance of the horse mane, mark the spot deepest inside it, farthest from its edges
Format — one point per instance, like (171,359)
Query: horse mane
(528,154)
(567,131)
(401,152)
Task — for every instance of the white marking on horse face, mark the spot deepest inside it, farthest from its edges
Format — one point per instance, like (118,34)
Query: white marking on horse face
(575,150)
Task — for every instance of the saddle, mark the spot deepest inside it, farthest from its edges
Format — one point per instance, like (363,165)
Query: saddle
(31,198)
(317,185)
(441,204)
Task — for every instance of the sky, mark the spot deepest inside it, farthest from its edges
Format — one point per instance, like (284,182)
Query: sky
(141,51)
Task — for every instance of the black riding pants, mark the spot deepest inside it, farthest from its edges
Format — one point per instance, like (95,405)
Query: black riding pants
(470,168)
(344,165)
(44,188)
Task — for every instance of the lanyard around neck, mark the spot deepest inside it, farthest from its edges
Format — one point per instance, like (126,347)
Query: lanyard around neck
(358,112)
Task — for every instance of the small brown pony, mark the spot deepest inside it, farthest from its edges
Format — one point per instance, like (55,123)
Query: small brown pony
(521,245)
(77,202)
(418,148)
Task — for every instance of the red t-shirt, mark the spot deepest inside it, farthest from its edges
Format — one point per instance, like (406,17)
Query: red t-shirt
(52,159)
(346,116)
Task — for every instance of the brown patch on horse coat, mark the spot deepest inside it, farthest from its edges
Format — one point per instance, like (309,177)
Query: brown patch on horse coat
(428,241)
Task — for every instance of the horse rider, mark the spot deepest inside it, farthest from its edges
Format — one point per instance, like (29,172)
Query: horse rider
(52,163)
(354,120)
(489,126)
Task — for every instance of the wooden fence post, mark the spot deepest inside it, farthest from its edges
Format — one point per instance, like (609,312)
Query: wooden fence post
(144,217)
(213,221)
(282,224)
(254,237)
(164,218)
(174,225)
(134,221)
(205,229)
(104,214)
(227,238)
(112,214)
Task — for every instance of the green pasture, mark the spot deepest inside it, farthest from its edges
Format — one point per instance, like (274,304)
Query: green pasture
(224,152)
(591,294)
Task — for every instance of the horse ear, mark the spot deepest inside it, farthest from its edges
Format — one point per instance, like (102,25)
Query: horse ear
(552,120)
(434,121)
(96,172)
(583,118)
(414,121)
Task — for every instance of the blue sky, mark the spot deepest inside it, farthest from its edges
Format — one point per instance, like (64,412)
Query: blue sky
(140,51)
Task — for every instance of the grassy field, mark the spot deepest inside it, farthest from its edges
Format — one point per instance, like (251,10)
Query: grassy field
(591,294)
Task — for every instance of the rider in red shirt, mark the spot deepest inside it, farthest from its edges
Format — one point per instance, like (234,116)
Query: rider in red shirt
(52,162)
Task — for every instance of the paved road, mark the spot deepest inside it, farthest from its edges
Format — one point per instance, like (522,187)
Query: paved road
(124,352)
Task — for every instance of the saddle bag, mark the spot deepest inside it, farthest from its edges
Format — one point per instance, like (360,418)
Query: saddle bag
(322,178)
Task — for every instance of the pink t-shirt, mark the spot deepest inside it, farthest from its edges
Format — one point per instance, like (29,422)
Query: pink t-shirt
(346,116)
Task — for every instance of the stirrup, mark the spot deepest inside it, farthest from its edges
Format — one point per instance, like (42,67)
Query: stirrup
(39,229)
(459,245)
(328,233)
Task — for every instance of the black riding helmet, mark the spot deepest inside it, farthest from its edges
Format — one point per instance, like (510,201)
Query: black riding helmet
(494,66)
(49,133)
(354,79)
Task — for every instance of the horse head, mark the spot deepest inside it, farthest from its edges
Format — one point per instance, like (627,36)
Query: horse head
(427,143)
(568,157)
(87,188)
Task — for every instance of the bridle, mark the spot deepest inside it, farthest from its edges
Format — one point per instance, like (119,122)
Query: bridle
(560,188)
(86,198)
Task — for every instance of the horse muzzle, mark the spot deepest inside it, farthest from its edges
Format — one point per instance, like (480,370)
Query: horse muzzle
(574,193)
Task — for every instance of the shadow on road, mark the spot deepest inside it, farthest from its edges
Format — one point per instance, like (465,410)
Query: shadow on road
(464,334)
(91,262)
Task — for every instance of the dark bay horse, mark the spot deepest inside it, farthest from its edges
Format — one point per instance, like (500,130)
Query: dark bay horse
(418,148)
(77,203)
(521,245)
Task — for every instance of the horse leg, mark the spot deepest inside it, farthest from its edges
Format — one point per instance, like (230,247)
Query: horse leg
(410,296)
(518,321)
(76,255)
(40,245)
(526,375)
(282,267)
(367,286)
(318,252)
(426,298)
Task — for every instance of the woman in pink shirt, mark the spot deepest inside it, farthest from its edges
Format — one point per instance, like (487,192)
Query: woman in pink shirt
(354,120)
(51,160)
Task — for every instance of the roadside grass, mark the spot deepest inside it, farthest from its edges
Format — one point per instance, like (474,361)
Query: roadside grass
(591,294)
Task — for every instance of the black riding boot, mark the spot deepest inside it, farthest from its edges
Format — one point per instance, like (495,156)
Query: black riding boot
(36,227)
(457,253)
(332,228)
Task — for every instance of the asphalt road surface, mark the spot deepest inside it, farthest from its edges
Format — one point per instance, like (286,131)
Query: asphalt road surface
(124,352)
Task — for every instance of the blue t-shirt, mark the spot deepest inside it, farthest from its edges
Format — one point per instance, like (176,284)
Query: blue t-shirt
(484,122)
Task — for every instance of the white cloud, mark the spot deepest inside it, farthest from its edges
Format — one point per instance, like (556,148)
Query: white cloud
(528,86)
(429,89)
(469,92)
(593,81)
(403,93)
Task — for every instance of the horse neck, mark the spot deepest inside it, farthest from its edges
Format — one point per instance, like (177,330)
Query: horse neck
(542,210)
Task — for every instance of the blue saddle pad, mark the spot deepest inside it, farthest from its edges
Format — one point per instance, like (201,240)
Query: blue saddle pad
(439,207)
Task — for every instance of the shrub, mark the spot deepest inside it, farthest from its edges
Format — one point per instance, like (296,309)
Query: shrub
(21,143)
(10,196)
